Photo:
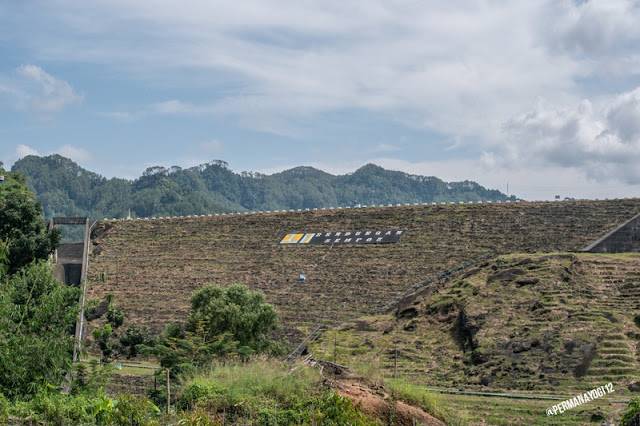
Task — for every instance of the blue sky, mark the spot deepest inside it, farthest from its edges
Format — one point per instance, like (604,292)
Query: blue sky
(542,95)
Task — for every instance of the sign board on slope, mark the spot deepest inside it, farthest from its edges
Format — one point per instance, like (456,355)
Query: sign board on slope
(344,237)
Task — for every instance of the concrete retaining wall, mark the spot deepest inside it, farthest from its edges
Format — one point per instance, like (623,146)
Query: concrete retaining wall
(625,238)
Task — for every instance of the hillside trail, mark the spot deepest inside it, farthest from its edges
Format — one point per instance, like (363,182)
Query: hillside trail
(372,398)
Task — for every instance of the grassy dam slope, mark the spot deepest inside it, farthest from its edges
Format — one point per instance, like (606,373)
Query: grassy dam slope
(574,309)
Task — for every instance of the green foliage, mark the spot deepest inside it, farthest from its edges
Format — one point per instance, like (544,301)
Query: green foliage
(254,389)
(338,410)
(259,382)
(105,337)
(66,189)
(127,410)
(173,330)
(636,319)
(633,410)
(223,322)
(131,338)
(55,408)
(237,311)
(92,378)
(4,260)
(415,395)
(37,314)
(115,317)
(4,409)
(21,225)
(194,350)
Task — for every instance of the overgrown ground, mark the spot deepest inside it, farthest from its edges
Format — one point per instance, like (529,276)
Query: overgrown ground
(152,266)
(533,318)
(548,323)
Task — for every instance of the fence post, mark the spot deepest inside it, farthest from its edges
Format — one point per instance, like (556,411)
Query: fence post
(313,414)
(168,393)
(276,415)
(395,362)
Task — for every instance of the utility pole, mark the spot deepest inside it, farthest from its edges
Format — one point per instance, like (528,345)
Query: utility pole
(168,393)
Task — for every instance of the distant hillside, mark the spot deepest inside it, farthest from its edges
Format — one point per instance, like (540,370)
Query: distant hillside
(66,189)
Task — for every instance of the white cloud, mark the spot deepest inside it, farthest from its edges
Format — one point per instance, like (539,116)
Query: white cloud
(20,152)
(78,155)
(458,69)
(453,67)
(535,182)
(594,28)
(385,147)
(23,151)
(122,116)
(209,147)
(173,107)
(602,143)
(53,94)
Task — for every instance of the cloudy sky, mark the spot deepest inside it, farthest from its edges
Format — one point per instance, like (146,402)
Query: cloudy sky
(542,95)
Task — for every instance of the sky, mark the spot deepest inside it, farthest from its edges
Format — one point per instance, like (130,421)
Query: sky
(542,97)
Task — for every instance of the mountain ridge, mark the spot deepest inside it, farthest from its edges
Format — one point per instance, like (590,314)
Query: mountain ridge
(66,189)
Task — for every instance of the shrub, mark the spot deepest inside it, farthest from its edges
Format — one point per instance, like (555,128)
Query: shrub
(133,410)
(132,337)
(632,413)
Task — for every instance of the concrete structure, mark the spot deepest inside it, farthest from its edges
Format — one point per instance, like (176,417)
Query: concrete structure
(70,258)
(71,263)
(625,238)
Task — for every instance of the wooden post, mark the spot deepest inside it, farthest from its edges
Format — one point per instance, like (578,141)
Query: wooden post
(395,362)
(276,415)
(168,393)
(313,415)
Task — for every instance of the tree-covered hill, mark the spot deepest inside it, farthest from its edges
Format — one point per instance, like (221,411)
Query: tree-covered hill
(66,189)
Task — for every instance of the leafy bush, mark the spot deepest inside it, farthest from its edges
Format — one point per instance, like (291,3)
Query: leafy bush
(133,410)
(254,389)
(131,338)
(4,408)
(36,313)
(235,310)
(338,410)
(103,338)
(224,322)
(633,410)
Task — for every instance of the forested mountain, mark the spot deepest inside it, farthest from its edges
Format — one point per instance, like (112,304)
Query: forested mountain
(66,189)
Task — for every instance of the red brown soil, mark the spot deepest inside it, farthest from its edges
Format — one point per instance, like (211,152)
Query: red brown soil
(376,403)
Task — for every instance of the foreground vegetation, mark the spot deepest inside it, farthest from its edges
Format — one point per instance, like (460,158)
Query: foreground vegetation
(211,360)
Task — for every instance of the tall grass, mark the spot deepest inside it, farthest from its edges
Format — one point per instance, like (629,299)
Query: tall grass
(265,389)
(257,384)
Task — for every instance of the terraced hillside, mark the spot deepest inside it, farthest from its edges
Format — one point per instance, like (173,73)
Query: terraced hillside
(152,266)
(552,322)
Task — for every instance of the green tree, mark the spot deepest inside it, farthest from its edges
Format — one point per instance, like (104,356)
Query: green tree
(36,315)
(131,338)
(235,310)
(22,224)
(105,337)
(223,322)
